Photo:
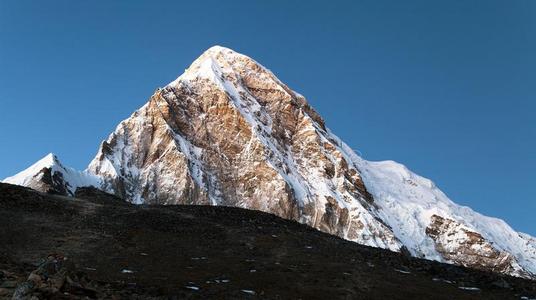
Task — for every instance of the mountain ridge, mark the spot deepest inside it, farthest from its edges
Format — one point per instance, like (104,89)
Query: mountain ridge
(228,132)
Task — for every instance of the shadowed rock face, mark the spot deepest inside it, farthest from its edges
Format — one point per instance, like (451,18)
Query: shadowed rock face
(51,182)
(228,132)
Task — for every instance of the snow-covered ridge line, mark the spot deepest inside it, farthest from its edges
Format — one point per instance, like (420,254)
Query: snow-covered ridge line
(408,202)
(25,176)
(50,166)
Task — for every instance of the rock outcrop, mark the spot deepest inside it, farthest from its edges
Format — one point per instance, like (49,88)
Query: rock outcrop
(464,247)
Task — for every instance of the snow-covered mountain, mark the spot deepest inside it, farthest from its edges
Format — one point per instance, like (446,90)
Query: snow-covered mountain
(228,132)
(49,175)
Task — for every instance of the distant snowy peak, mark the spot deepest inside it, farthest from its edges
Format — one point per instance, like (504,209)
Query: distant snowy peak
(25,176)
(49,175)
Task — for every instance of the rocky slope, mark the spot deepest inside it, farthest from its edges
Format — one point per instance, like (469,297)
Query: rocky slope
(98,246)
(228,132)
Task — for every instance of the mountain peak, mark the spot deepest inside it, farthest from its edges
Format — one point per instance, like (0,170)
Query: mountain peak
(217,61)
(219,49)
(49,175)
(228,132)
(48,161)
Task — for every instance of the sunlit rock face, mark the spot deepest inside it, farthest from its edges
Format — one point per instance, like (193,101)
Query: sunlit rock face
(228,132)
(462,246)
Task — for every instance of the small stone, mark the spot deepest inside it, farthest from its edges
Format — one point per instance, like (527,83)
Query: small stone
(57,282)
(35,278)
(9,284)
(4,292)
(23,290)
(501,283)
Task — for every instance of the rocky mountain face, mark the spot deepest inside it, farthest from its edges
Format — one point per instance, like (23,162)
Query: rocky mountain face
(228,132)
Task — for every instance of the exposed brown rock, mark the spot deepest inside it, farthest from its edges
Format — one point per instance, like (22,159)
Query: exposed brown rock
(228,132)
(462,246)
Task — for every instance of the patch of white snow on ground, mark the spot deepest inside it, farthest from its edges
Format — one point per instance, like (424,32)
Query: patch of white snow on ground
(467,288)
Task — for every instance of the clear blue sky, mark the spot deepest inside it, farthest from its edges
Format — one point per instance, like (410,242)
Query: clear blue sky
(446,87)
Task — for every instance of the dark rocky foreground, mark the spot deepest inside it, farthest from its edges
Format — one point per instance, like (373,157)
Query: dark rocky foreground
(97,246)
